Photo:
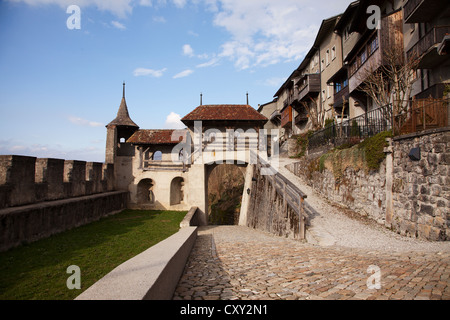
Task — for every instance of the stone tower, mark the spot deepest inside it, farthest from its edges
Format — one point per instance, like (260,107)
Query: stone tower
(118,132)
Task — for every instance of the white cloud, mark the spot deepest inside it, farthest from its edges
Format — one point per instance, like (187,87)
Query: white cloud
(274,82)
(142,72)
(83,122)
(264,32)
(188,51)
(173,121)
(84,153)
(211,63)
(179,3)
(192,33)
(118,25)
(120,8)
(183,74)
(159,19)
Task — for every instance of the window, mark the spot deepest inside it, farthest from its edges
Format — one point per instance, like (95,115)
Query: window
(157,156)
(323,65)
(363,57)
(327,56)
(337,87)
(373,45)
(323,96)
(347,33)
(328,92)
(333,53)
(345,83)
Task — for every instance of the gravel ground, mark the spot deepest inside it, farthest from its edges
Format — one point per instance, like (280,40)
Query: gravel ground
(342,227)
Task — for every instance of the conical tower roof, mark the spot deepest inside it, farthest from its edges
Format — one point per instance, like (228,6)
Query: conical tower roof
(123,117)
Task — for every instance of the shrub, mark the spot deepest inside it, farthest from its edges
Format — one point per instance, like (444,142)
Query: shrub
(374,149)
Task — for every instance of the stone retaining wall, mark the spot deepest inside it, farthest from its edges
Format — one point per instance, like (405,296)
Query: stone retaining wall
(410,197)
(421,189)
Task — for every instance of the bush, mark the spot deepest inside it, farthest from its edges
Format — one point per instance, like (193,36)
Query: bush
(374,149)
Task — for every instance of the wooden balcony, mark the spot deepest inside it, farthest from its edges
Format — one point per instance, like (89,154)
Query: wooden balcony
(308,85)
(427,42)
(368,55)
(416,11)
(301,117)
(154,165)
(286,117)
(340,96)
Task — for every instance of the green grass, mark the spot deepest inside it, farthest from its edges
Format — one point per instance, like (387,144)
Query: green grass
(39,270)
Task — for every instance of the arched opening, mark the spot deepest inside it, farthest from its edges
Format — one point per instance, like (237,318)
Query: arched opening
(145,193)
(157,156)
(225,189)
(176,191)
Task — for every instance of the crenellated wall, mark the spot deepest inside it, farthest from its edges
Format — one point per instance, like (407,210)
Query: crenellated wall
(27,180)
(42,197)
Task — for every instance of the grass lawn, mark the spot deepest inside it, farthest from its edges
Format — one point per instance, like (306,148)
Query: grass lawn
(39,270)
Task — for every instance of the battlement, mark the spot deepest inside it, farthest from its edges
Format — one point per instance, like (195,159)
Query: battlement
(27,180)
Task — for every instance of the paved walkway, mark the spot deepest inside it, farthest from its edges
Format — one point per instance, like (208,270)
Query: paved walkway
(346,257)
(231,262)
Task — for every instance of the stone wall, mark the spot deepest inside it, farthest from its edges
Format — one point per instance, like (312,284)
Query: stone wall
(410,197)
(421,188)
(356,189)
(269,209)
(41,197)
(25,224)
(27,180)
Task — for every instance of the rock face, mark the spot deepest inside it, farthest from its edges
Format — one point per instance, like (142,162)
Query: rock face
(225,187)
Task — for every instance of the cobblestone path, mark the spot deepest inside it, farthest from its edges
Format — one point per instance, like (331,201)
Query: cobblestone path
(230,262)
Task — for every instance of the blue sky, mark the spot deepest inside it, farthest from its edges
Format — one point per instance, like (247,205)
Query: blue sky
(59,87)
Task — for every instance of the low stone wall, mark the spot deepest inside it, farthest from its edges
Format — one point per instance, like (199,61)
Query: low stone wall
(29,223)
(410,197)
(151,275)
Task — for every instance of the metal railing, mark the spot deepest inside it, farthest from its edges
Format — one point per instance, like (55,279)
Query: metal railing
(353,130)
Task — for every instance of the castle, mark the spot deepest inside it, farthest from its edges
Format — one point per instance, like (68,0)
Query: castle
(169,169)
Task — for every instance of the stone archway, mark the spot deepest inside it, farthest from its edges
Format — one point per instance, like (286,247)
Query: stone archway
(176,191)
(224,187)
(145,193)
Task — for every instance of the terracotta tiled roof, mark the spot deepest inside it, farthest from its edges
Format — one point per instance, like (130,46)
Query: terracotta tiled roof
(148,137)
(224,112)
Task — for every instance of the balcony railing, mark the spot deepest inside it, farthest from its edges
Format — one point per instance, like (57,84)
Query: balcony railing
(423,114)
(421,10)
(433,37)
(410,6)
(311,84)
(339,97)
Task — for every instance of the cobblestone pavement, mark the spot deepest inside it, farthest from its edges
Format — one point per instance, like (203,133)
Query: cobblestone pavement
(231,262)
